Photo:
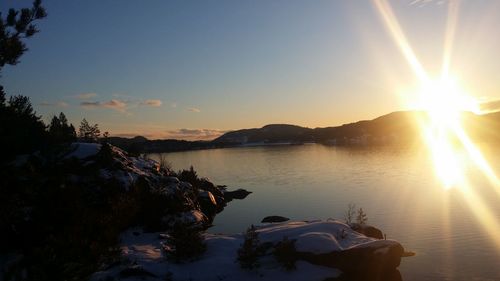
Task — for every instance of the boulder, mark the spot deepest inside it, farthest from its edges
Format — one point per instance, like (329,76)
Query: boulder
(371,260)
(270,219)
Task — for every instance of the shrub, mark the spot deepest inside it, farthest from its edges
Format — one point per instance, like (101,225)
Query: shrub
(189,176)
(248,253)
(164,164)
(285,253)
(361,217)
(350,213)
(184,242)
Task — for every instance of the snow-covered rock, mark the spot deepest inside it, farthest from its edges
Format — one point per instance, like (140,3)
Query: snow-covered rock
(323,250)
(83,150)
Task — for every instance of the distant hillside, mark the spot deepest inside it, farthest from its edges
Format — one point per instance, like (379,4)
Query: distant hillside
(269,134)
(396,127)
(390,127)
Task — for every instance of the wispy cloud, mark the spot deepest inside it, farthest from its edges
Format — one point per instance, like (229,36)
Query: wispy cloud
(181,134)
(193,109)
(86,96)
(56,104)
(195,134)
(114,104)
(152,102)
(120,105)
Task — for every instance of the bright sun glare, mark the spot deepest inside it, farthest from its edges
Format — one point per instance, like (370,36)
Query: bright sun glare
(443,100)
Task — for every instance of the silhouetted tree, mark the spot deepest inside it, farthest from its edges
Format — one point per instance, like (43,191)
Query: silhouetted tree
(17,25)
(87,132)
(21,130)
(60,131)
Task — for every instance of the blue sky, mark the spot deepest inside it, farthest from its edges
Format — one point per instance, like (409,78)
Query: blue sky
(193,69)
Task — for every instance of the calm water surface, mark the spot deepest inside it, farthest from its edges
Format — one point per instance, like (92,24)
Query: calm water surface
(397,187)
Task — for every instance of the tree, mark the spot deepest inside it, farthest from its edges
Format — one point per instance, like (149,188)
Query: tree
(21,130)
(87,132)
(361,217)
(248,253)
(60,131)
(17,26)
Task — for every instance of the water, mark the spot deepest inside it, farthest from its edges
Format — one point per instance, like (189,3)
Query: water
(397,187)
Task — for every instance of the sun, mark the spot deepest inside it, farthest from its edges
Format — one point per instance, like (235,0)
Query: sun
(443,102)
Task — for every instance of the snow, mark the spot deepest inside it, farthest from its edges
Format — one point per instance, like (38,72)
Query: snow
(219,261)
(83,150)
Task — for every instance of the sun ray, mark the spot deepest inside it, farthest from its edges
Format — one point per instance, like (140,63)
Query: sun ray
(392,24)
(443,102)
(451,25)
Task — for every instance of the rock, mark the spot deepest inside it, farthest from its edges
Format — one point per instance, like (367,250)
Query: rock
(210,204)
(207,185)
(369,260)
(236,194)
(271,219)
(367,230)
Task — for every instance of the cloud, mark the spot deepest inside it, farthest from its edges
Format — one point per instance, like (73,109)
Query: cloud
(152,102)
(56,104)
(114,104)
(193,109)
(181,134)
(195,134)
(490,106)
(86,96)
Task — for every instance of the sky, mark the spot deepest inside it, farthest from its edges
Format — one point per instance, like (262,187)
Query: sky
(195,69)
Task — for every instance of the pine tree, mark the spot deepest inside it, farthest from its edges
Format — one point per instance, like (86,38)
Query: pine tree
(361,217)
(16,26)
(60,131)
(87,132)
(248,253)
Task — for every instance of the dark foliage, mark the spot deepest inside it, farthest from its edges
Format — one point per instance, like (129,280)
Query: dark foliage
(17,25)
(249,252)
(285,253)
(185,243)
(189,176)
(88,133)
(63,229)
(60,131)
(21,130)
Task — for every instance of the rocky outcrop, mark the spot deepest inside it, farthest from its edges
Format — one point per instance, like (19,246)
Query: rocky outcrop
(236,194)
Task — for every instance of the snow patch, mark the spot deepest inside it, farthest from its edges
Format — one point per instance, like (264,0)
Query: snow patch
(83,150)
(219,262)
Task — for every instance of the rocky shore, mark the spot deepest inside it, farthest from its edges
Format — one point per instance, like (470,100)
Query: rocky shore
(154,221)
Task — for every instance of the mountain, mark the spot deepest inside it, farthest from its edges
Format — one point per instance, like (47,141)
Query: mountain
(273,133)
(395,127)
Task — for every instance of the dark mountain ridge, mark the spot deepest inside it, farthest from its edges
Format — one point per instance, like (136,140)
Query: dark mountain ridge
(395,127)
